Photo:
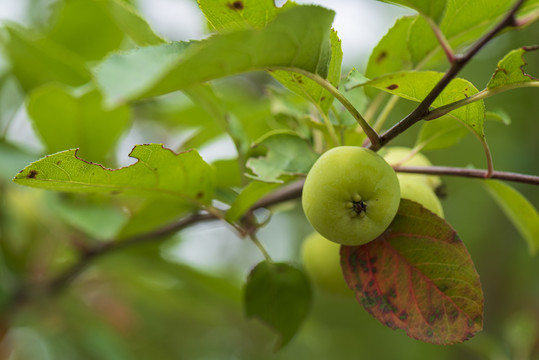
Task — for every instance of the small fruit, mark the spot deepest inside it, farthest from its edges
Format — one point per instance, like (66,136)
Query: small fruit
(322,262)
(351,195)
(421,193)
(399,155)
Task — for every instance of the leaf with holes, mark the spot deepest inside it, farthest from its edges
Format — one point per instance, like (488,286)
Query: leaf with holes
(509,72)
(419,277)
(159,172)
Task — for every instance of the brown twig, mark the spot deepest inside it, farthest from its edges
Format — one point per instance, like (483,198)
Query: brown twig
(472,173)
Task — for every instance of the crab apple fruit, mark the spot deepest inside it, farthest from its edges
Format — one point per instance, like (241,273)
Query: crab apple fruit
(351,195)
(400,155)
(322,262)
(421,193)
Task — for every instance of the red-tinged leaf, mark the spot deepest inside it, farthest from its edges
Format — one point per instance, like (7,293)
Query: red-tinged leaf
(419,277)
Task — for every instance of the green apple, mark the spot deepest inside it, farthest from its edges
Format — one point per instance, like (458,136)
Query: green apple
(399,155)
(322,262)
(421,193)
(351,195)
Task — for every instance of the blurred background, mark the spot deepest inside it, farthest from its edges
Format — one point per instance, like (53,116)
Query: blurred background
(182,298)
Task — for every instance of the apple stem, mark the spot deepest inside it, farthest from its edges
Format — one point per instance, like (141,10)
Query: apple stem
(261,247)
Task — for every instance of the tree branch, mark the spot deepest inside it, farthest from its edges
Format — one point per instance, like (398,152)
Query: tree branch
(472,173)
(422,110)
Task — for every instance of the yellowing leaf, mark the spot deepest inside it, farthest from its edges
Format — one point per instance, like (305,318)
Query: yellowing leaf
(419,277)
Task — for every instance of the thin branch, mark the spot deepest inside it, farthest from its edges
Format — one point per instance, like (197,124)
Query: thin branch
(472,173)
(422,110)
(444,43)
(369,131)
(261,247)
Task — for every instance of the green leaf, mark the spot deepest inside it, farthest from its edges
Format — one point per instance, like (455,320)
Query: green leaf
(12,159)
(96,219)
(248,197)
(287,154)
(36,61)
(391,53)
(86,28)
(153,214)
(430,8)
(356,96)
(130,21)
(441,133)
(159,172)
(69,118)
(11,98)
(419,277)
(509,70)
(461,23)
(228,15)
(518,209)
(280,296)
(311,90)
(498,115)
(301,34)
(228,173)
(204,96)
(416,85)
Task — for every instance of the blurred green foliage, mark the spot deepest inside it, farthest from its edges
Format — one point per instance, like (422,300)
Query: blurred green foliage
(181,298)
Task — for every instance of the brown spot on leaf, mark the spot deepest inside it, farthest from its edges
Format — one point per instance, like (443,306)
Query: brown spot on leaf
(58,162)
(32,174)
(236,5)
(453,315)
(381,56)
(436,315)
(199,195)
(403,316)
(392,87)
